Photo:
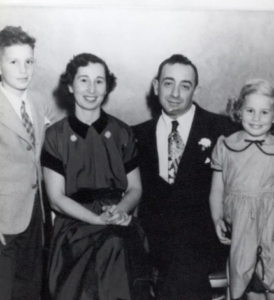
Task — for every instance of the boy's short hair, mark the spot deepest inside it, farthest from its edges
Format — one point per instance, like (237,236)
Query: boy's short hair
(254,86)
(12,35)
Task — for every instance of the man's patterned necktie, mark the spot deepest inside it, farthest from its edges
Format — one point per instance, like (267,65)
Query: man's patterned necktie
(27,123)
(175,151)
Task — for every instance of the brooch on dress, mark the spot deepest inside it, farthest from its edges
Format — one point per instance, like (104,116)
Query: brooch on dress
(108,134)
(73,138)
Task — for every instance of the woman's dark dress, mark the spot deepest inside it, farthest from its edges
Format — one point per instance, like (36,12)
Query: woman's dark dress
(90,262)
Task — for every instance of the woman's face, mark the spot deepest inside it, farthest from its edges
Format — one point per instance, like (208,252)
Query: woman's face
(89,87)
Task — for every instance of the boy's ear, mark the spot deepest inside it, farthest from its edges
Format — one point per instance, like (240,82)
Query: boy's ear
(155,83)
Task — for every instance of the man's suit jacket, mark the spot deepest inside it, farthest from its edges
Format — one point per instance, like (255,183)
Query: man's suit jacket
(20,174)
(180,213)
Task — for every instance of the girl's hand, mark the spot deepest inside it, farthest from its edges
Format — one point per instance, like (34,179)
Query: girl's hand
(221,231)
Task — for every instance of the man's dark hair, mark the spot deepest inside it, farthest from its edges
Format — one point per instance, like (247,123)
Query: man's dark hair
(11,35)
(65,100)
(178,59)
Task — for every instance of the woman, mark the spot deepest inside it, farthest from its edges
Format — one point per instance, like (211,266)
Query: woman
(93,183)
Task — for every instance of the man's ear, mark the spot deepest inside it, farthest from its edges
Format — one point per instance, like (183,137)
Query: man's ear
(70,89)
(197,90)
(155,83)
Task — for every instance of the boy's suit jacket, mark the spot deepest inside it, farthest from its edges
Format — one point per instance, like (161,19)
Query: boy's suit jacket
(179,213)
(20,174)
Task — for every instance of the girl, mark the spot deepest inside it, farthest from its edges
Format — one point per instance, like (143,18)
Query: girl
(93,183)
(242,192)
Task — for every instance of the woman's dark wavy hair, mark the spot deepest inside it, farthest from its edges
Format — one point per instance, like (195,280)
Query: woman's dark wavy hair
(254,86)
(65,99)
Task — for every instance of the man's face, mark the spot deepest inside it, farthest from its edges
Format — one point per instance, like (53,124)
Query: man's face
(175,89)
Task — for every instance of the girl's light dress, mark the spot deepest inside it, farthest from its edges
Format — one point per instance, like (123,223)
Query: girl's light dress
(248,203)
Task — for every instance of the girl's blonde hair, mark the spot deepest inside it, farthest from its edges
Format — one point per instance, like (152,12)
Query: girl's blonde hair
(254,86)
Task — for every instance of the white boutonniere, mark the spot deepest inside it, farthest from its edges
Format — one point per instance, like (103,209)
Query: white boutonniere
(73,138)
(108,134)
(205,143)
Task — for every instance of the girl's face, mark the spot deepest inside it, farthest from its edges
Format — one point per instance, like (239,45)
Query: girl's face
(257,115)
(89,87)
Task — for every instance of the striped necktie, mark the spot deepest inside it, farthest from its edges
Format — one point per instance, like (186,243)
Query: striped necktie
(175,151)
(27,123)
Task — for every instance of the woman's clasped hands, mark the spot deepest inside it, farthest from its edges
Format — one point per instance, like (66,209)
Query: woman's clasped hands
(112,216)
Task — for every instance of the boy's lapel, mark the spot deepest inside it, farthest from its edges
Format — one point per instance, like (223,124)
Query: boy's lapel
(10,119)
(38,121)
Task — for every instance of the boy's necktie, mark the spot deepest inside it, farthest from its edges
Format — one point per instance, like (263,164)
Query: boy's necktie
(175,151)
(27,123)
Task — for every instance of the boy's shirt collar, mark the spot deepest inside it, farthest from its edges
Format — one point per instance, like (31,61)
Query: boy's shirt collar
(16,102)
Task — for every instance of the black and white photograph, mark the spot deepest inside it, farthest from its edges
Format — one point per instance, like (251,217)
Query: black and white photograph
(136,150)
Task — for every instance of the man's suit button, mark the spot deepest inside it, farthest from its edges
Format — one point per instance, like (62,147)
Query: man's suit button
(34,186)
(29,147)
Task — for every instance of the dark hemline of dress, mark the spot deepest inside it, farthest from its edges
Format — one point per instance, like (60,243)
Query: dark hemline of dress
(92,262)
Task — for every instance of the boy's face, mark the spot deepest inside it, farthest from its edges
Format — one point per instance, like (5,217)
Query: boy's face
(16,68)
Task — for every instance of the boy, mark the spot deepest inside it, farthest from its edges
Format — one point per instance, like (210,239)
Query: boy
(22,127)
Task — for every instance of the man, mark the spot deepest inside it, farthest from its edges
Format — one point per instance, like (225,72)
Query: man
(22,128)
(176,177)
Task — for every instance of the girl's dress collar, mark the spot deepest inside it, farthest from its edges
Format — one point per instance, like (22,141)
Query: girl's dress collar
(247,143)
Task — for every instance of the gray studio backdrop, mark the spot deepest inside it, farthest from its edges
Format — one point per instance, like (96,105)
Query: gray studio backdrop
(228,47)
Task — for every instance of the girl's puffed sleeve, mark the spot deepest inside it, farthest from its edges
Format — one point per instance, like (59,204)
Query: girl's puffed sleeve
(51,157)
(130,156)
(217,155)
